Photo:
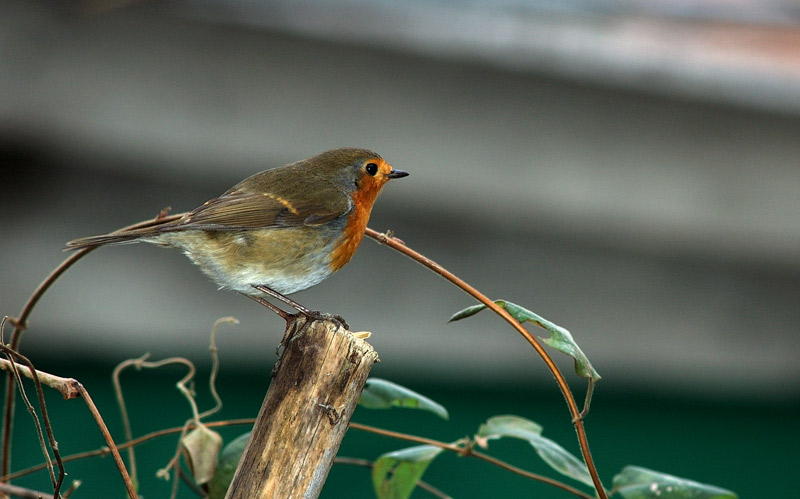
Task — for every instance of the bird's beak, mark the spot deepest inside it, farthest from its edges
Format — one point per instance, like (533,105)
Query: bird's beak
(397,174)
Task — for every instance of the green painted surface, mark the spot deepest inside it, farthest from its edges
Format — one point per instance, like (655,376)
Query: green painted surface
(743,446)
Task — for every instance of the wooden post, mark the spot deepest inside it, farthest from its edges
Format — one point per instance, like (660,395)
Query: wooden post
(316,386)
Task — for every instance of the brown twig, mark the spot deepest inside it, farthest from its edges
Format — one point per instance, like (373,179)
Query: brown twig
(410,438)
(72,488)
(398,245)
(123,411)
(109,441)
(48,428)
(65,386)
(21,492)
(212,377)
(468,451)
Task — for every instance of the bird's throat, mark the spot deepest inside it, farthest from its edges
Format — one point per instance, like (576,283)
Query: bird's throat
(363,199)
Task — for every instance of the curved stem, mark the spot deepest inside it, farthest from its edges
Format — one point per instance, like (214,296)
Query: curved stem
(577,421)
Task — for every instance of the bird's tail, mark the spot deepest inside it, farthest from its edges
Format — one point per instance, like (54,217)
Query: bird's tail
(112,238)
(127,235)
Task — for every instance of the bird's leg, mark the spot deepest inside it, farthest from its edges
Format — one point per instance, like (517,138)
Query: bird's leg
(285,299)
(309,314)
(278,311)
(291,330)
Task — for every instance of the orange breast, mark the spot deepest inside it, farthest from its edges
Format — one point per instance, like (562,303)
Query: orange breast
(363,199)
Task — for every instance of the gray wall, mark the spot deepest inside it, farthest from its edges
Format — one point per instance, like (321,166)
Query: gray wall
(658,223)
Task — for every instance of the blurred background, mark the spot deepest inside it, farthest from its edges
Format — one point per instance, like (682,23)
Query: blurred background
(627,169)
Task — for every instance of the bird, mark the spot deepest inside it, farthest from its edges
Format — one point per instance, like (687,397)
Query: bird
(276,232)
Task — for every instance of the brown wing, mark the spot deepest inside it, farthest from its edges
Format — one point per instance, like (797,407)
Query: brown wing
(242,207)
(238,209)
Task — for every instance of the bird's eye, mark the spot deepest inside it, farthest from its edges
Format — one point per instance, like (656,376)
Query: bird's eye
(371,168)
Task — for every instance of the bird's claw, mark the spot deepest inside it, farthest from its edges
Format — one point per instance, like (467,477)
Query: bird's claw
(315,315)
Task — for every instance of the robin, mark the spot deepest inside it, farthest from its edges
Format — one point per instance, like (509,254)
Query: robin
(277,232)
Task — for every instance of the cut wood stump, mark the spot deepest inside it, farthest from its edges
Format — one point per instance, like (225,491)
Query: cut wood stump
(316,385)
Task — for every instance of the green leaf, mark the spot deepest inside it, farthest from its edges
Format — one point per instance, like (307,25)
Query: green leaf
(560,338)
(508,426)
(553,454)
(382,394)
(226,467)
(561,460)
(467,312)
(395,474)
(640,483)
